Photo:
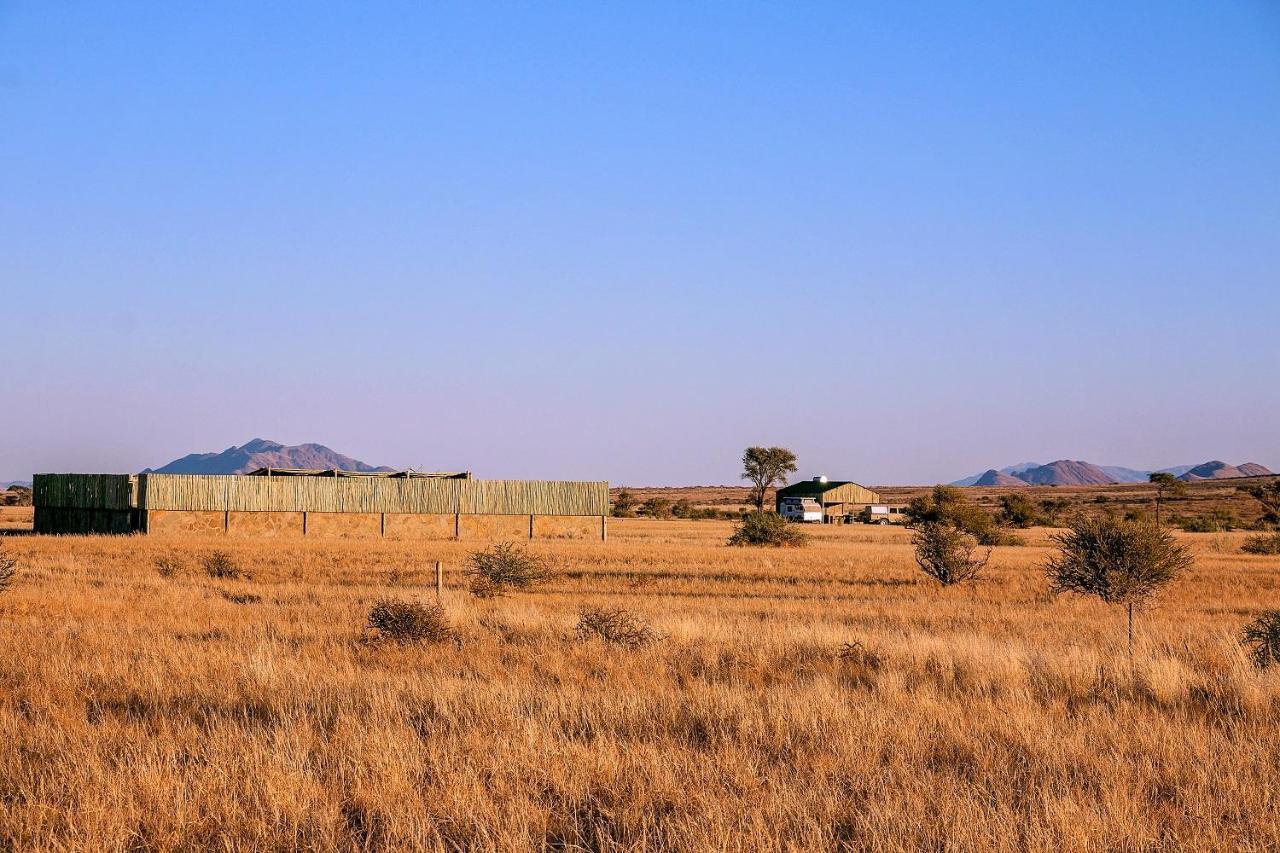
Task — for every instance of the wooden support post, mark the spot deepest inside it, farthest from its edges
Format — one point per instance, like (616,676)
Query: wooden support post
(457,525)
(604,528)
(530,526)
(304,522)
(226,521)
(439,580)
(382,529)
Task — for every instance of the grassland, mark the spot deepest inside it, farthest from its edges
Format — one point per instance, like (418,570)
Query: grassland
(141,711)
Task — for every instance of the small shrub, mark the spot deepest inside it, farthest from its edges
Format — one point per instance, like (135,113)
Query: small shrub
(945,553)
(1262,637)
(683,508)
(1018,510)
(504,567)
(656,508)
(624,505)
(169,565)
(767,529)
(409,622)
(617,626)
(241,597)
(1263,543)
(8,570)
(219,564)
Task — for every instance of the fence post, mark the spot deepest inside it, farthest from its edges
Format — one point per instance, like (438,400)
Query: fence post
(439,580)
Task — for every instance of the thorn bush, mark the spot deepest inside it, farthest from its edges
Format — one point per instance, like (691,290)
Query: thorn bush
(614,625)
(768,529)
(1262,636)
(8,570)
(504,567)
(409,622)
(219,564)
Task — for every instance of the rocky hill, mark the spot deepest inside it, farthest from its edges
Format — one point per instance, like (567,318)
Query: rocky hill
(1218,470)
(261,453)
(992,477)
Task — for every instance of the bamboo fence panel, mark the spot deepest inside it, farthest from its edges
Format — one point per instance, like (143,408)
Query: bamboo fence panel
(83,491)
(354,494)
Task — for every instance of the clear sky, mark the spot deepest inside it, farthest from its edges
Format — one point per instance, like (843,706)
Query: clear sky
(623,241)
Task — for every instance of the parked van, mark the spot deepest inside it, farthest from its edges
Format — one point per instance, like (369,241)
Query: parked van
(801,509)
(883,514)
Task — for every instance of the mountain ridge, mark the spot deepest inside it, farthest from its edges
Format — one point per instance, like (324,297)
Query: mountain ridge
(264,453)
(1067,472)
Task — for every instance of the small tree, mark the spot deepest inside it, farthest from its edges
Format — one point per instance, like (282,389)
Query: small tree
(765,466)
(1262,636)
(1121,562)
(1269,496)
(945,553)
(656,508)
(1018,510)
(949,505)
(767,528)
(1166,483)
(624,505)
(1053,507)
(683,508)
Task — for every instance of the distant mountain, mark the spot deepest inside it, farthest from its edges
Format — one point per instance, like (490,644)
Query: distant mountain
(1218,470)
(26,484)
(1125,475)
(998,478)
(1066,472)
(261,453)
(1015,470)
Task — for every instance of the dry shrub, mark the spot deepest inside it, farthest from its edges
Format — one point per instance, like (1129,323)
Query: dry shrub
(504,567)
(219,564)
(614,625)
(856,652)
(1262,636)
(768,529)
(945,553)
(8,570)
(241,597)
(409,622)
(169,565)
(1263,543)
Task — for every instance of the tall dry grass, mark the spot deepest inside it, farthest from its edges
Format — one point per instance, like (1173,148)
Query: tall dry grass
(143,711)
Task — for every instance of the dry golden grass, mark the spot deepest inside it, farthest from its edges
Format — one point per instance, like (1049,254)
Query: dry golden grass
(141,711)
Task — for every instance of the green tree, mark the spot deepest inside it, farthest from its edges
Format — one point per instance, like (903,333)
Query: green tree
(624,505)
(945,553)
(1121,562)
(765,467)
(769,529)
(1018,510)
(1269,496)
(1166,483)
(656,508)
(948,504)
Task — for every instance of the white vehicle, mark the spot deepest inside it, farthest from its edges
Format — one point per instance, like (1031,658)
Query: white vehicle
(801,509)
(883,514)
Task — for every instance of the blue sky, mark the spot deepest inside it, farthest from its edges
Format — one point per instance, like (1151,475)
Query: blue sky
(910,241)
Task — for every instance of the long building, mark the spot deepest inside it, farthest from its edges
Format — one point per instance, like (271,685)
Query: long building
(314,503)
(838,498)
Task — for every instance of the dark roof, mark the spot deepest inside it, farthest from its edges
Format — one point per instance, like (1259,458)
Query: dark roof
(809,488)
(333,472)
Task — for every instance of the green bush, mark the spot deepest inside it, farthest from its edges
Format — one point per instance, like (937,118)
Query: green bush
(767,529)
(949,505)
(1019,510)
(944,552)
(1263,543)
(656,508)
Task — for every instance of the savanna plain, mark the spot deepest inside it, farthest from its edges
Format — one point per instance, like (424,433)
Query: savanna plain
(828,697)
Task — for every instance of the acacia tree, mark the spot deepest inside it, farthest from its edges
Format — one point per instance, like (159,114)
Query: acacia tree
(1121,562)
(1269,497)
(765,467)
(1165,483)
(945,553)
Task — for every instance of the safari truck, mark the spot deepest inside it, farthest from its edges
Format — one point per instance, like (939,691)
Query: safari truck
(800,509)
(883,514)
